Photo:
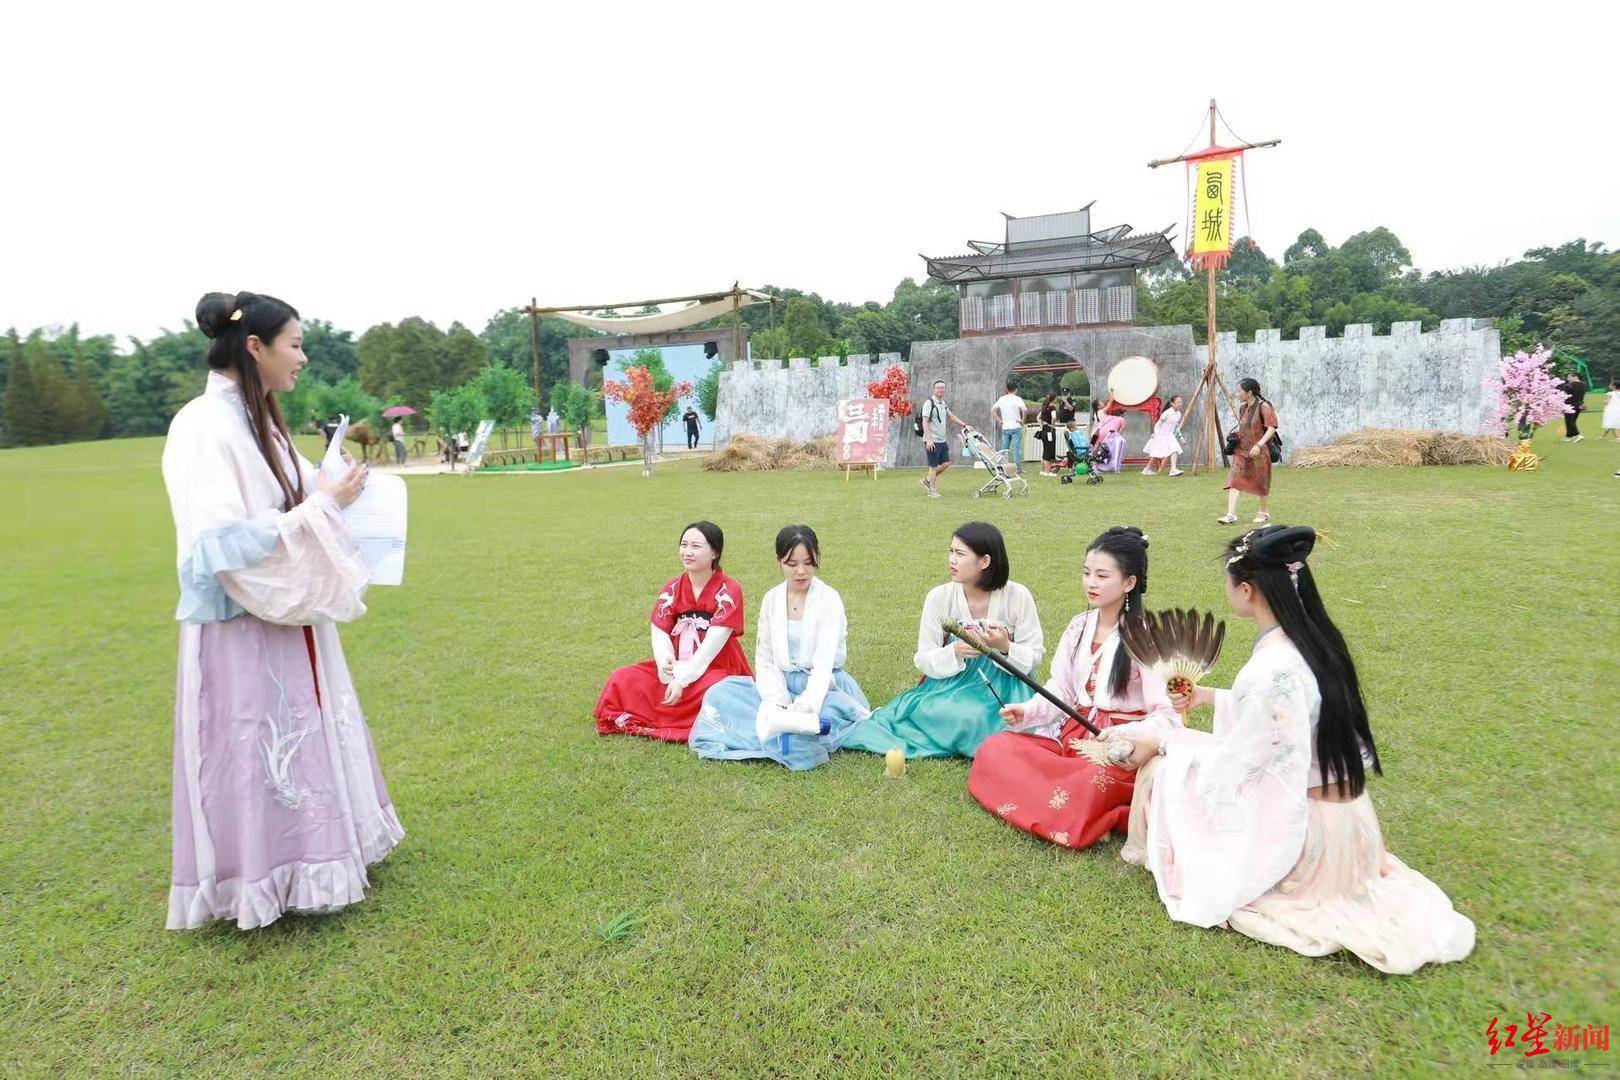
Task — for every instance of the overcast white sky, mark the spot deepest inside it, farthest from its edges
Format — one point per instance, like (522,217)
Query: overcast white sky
(371,161)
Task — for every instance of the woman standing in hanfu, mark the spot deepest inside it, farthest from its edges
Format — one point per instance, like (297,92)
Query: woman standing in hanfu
(696,622)
(278,801)
(957,704)
(801,701)
(1265,826)
(1033,775)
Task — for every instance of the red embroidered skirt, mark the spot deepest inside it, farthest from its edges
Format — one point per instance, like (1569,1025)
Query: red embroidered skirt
(1049,791)
(632,703)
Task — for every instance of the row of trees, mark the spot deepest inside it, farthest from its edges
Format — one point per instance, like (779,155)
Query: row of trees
(58,385)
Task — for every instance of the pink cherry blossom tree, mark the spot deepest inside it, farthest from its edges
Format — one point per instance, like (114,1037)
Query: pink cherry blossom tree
(1525,393)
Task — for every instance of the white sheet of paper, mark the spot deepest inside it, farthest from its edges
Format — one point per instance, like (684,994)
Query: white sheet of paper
(377,518)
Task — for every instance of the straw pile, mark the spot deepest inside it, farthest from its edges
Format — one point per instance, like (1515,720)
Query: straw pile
(1397,448)
(750,453)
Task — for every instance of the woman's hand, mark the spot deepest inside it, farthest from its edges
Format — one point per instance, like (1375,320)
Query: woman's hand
(672,693)
(348,458)
(1254,451)
(996,636)
(964,650)
(1012,714)
(346,488)
(1196,697)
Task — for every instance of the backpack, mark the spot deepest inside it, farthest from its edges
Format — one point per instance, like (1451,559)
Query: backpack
(917,421)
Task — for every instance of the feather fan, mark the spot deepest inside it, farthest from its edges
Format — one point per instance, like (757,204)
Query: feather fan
(1178,645)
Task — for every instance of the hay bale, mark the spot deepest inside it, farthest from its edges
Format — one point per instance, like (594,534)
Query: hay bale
(750,453)
(1402,448)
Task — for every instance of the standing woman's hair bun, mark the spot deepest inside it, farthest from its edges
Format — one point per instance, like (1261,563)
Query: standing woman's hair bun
(214,312)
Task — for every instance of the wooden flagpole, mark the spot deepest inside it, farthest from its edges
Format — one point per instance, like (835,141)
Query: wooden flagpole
(1208,442)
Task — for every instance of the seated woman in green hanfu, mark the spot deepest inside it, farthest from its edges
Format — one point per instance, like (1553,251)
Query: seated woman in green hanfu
(957,705)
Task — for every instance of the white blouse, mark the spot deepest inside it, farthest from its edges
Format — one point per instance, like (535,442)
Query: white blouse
(1011,605)
(821,651)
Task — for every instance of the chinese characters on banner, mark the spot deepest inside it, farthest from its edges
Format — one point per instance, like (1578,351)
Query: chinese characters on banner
(863,431)
(1212,211)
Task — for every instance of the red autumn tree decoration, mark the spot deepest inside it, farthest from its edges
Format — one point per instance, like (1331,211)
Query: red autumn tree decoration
(895,388)
(647,404)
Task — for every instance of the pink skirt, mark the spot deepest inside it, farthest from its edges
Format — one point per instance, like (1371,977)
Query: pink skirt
(1345,892)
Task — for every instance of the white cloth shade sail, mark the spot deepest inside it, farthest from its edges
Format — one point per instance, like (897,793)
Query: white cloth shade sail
(700,310)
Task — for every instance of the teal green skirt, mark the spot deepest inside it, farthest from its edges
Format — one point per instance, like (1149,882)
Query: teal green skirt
(941,717)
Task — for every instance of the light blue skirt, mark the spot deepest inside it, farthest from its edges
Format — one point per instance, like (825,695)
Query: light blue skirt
(725,724)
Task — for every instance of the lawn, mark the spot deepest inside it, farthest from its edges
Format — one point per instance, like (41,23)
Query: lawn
(825,923)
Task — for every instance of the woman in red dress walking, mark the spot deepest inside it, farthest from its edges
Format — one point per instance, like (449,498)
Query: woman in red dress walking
(696,622)
(1251,465)
(1036,776)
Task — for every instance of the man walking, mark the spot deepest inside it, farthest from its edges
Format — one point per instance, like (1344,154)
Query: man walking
(1009,410)
(936,420)
(691,418)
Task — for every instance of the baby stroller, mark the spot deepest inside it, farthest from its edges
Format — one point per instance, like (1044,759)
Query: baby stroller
(1079,461)
(1002,477)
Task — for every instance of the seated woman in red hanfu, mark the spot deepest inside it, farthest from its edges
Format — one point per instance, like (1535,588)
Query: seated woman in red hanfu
(696,622)
(1034,775)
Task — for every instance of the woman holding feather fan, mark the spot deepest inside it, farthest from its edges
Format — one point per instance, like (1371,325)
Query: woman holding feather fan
(1264,826)
(1038,776)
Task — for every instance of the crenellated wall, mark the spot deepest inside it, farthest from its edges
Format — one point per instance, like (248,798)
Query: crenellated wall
(794,399)
(1322,387)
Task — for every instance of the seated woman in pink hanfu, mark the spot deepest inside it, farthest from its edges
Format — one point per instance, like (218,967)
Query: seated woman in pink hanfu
(279,804)
(1034,776)
(1265,826)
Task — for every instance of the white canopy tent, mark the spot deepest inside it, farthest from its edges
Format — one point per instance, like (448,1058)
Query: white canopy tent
(695,310)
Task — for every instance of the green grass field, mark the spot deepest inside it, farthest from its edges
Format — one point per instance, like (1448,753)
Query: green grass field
(815,924)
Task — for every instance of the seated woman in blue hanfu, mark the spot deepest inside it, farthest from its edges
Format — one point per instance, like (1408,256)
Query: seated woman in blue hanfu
(800,702)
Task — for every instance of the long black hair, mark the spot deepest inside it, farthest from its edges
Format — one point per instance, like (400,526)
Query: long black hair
(228,320)
(798,536)
(712,536)
(1273,560)
(983,538)
(1126,545)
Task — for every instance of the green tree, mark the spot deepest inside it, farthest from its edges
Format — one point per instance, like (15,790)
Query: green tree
(332,354)
(508,398)
(456,409)
(708,389)
(507,337)
(806,335)
(40,405)
(875,331)
(347,397)
(462,357)
(1381,309)
(929,310)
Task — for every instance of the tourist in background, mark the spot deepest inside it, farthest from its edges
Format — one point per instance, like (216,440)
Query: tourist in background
(691,418)
(1009,415)
(936,421)
(1575,392)
(399,442)
(1611,411)
(1250,469)
(1164,445)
